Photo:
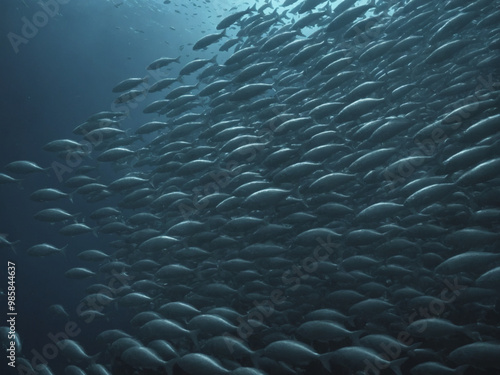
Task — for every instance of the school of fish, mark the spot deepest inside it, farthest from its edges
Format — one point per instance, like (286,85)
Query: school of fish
(326,200)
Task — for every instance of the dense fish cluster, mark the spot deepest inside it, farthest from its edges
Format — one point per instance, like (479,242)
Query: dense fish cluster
(323,201)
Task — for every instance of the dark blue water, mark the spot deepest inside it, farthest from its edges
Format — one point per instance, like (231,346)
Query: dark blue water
(53,77)
(61,73)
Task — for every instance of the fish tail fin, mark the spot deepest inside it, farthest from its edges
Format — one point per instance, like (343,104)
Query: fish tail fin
(70,197)
(474,335)
(414,346)
(328,9)
(63,251)
(194,337)
(178,59)
(13,247)
(396,364)
(252,9)
(169,367)
(325,361)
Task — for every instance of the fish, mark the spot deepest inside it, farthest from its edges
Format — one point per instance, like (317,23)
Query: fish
(92,255)
(477,354)
(54,215)
(277,40)
(128,96)
(115,154)
(196,64)
(249,91)
(228,44)
(162,62)
(75,229)
(213,87)
(309,19)
(308,5)
(142,357)
(6,179)
(348,16)
(78,273)
(155,106)
(437,328)
(107,115)
(24,167)
(356,358)
(436,368)
(60,145)
(208,40)
(239,55)
(44,249)
(129,84)
(232,18)
(161,84)
(73,351)
(322,201)
(5,242)
(180,91)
